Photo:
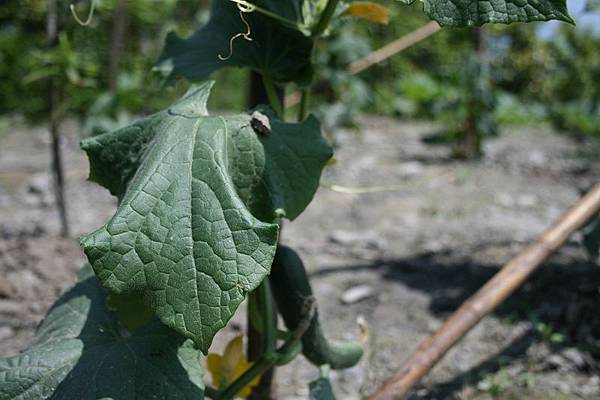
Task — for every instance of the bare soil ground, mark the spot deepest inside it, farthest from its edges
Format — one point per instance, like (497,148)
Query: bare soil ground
(417,252)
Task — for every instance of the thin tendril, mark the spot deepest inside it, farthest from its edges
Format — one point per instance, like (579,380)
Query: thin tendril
(246,6)
(243,8)
(89,17)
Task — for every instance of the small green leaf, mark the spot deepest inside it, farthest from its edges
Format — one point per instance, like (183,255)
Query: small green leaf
(289,163)
(311,11)
(321,390)
(280,50)
(479,12)
(78,353)
(193,231)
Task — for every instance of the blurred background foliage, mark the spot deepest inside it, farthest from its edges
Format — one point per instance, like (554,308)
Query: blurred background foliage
(529,76)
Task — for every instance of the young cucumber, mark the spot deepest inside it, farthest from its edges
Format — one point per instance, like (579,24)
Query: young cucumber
(292,290)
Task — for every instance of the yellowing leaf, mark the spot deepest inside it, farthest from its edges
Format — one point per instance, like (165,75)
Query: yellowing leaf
(372,11)
(231,365)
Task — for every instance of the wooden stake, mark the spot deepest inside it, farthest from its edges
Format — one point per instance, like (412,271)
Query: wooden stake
(53,106)
(469,145)
(493,293)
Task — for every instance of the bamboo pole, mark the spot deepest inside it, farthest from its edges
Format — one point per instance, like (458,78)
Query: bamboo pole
(379,55)
(493,293)
(395,47)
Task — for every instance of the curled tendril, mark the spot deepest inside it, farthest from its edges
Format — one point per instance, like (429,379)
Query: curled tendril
(88,20)
(243,7)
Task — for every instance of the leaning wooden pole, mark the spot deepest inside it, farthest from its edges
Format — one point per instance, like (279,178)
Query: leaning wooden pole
(380,54)
(493,293)
(394,47)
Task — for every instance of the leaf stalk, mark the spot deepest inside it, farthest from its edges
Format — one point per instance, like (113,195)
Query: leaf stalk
(326,17)
(274,99)
(303,110)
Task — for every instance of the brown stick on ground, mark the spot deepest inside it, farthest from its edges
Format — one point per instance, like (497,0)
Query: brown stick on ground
(493,293)
(379,55)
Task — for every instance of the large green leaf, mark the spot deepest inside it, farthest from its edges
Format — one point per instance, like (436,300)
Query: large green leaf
(479,12)
(281,51)
(78,353)
(114,157)
(188,234)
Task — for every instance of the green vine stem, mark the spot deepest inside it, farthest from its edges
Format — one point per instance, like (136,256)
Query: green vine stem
(263,364)
(303,110)
(254,312)
(261,316)
(269,359)
(274,99)
(261,300)
(268,326)
(326,16)
(211,392)
(257,369)
(317,30)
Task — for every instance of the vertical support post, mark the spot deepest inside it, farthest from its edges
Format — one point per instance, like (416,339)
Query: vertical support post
(117,43)
(53,107)
(471,146)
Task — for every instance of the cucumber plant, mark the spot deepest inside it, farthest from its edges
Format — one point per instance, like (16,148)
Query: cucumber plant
(201,201)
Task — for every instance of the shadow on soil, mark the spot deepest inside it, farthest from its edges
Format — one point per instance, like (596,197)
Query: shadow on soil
(561,300)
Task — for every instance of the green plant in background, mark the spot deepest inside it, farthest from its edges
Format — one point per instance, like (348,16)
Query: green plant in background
(464,104)
(526,71)
(573,94)
(28,63)
(554,79)
(592,6)
(548,333)
(341,93)
(82,59)
(201,201)
(43,56)
(479,101)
